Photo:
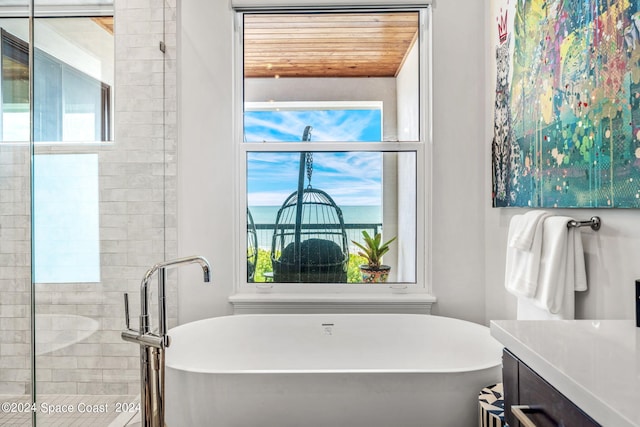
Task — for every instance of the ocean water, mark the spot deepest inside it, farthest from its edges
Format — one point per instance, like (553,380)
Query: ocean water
(350,214)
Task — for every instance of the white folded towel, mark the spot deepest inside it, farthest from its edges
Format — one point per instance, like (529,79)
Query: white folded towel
(555,262)
(580,268)
(562,267)
(526,230)
(545,277)
(523,265)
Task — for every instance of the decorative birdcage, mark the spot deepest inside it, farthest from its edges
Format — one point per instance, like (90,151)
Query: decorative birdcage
(309,242)
(252,247)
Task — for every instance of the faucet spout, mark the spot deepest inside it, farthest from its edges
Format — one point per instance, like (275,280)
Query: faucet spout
(144,293)
(204,264)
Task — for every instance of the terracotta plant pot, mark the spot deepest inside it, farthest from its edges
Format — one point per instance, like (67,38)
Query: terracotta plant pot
(374,275)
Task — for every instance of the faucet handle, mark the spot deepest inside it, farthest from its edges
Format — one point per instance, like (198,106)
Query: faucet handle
(126,311)
(135,336)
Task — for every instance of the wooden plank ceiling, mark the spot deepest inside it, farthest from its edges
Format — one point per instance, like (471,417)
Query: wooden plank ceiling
(105,22)
(327,44)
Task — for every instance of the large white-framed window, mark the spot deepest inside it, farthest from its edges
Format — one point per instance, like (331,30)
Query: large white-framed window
(378,184)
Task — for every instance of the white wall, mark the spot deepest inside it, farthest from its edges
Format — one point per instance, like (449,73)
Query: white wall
(206,157)
(408,90)
(612,254)
(459,145)
(612,264)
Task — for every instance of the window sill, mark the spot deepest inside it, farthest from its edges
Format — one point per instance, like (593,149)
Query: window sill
(267,303)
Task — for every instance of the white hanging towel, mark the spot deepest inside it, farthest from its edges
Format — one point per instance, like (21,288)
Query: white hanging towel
(524,251)
(527,230)
(560,268)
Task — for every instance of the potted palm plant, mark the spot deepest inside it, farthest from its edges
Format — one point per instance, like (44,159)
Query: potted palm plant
(372,250)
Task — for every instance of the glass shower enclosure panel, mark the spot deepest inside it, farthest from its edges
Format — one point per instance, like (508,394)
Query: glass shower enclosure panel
(16,337)
(98,202)
(85,170)
(82,370)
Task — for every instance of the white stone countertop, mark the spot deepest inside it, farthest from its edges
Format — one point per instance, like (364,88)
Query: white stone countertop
(594,363)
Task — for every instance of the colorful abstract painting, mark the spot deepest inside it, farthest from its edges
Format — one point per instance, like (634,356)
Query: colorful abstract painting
(567,103)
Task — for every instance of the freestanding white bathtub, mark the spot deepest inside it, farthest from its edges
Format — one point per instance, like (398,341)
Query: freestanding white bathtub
(328,370)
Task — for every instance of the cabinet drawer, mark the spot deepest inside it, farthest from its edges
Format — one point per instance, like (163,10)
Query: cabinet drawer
(549,407)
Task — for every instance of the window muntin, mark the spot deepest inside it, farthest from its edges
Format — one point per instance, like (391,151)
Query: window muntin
(401,171)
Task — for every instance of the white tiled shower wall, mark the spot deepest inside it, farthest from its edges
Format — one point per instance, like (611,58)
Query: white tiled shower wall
(137,193)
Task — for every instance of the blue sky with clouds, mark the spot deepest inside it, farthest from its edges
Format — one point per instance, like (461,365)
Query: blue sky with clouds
(350,178)
(328,125)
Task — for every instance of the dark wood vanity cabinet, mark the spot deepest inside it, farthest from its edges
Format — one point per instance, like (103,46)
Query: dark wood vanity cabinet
(541,403)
